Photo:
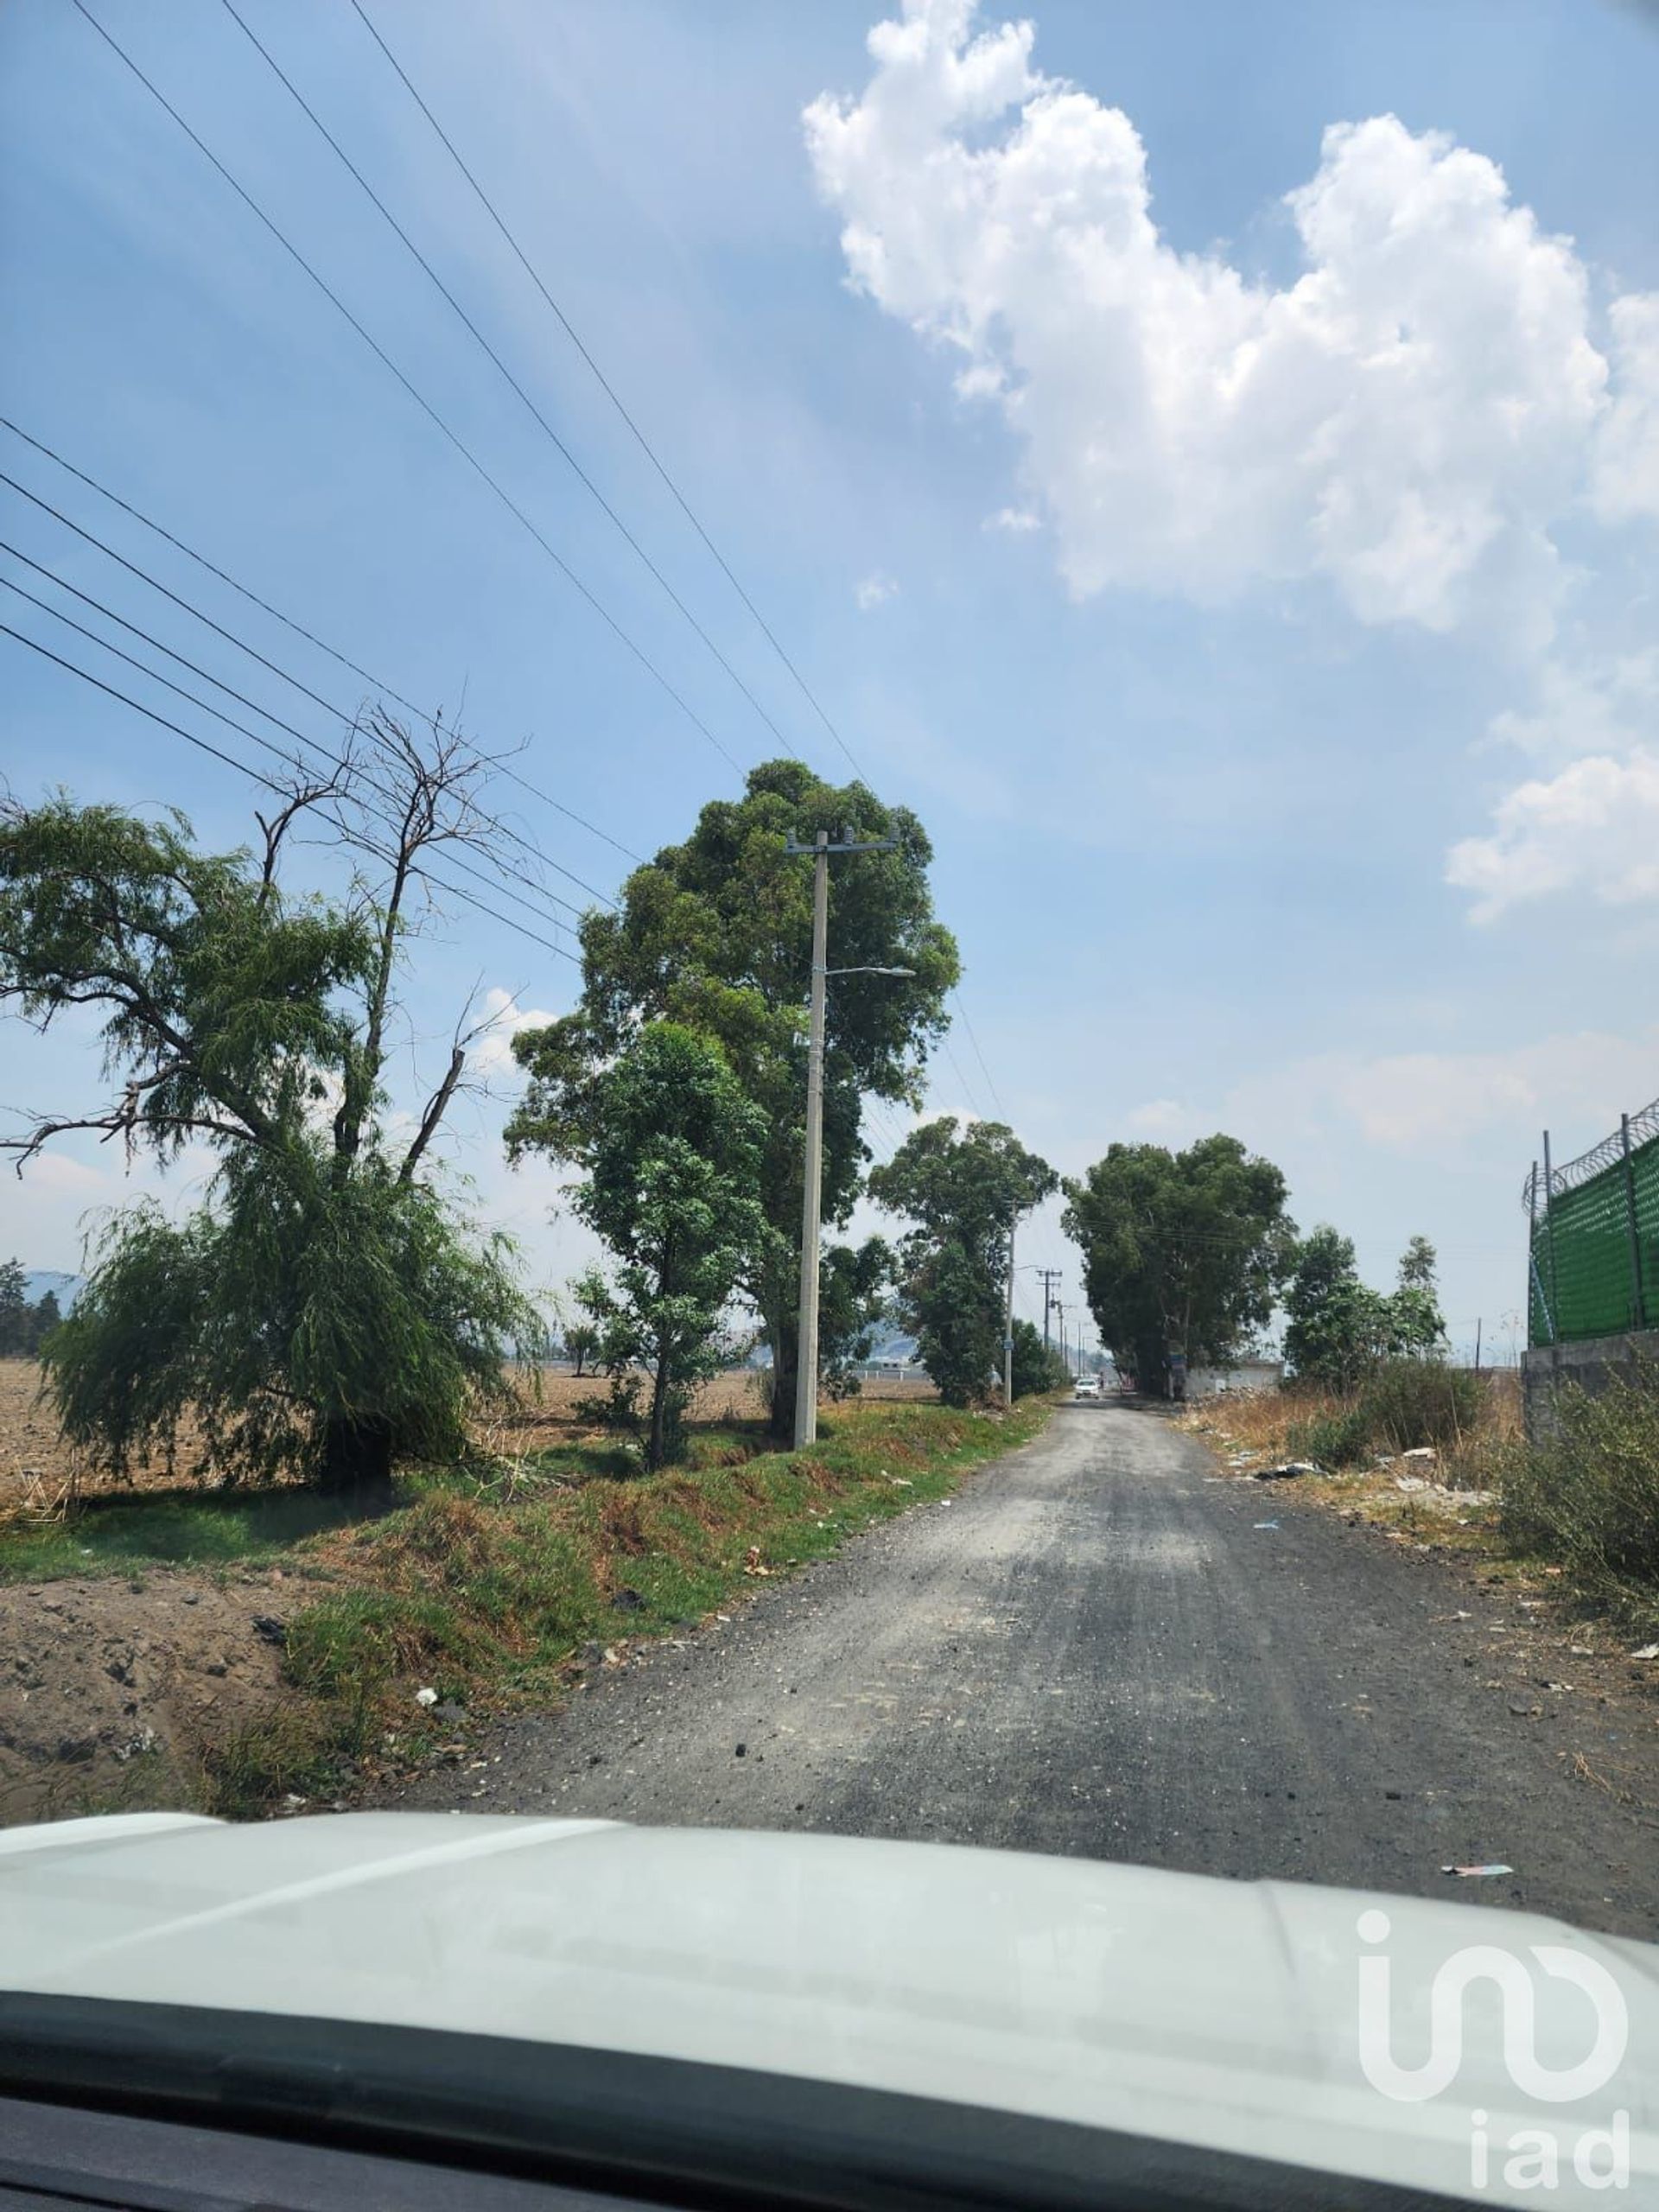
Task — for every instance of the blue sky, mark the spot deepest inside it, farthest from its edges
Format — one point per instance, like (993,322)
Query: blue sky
(1250,588)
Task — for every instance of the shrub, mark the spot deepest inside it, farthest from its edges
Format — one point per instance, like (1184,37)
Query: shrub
(1332,1439)
(1590,1495)
(1407,1402)
(1401,1404)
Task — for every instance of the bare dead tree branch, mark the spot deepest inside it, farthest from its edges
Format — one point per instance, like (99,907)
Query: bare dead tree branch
(304,793)
(436,1107)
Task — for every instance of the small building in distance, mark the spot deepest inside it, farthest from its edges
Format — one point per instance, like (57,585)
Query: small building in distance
(1248,1375)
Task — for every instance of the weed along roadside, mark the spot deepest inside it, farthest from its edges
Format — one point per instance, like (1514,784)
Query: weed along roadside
(1563,1528)
(316,1670)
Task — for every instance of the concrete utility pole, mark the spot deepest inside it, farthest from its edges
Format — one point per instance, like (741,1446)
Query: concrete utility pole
(806,1370)
(1051,1276)
(1008,1323)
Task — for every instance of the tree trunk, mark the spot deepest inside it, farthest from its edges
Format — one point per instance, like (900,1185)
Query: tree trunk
(657,1443)
(785,1345)
(357,1463)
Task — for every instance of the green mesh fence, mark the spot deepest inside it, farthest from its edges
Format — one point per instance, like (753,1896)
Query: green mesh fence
(1590,1276)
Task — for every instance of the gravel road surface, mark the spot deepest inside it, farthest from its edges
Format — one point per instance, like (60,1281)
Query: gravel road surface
(1093,1648)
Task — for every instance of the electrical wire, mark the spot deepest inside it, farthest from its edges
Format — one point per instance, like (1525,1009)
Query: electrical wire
(639,435)
(350,722)
(242,767)
(637,651)
(338,761)
(607,388)
(304,765)
(969,1097)
(978,1055)
(565,568)
(582,477)
(375,682)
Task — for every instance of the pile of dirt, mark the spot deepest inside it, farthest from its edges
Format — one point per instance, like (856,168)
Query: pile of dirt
(107,1689)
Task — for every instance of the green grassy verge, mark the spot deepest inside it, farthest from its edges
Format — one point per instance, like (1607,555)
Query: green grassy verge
(483,1585)
(115,1535)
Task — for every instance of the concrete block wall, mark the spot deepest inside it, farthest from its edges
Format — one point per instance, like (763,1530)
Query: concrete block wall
(1591,1364)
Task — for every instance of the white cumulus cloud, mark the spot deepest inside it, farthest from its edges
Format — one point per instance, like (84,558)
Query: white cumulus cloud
(874,590)
(502,1018)
(1432,1104)
(1407,420)
(1584,708)
(1626,481)
(1595,826)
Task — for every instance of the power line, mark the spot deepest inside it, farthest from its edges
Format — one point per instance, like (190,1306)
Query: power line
(304,765)
(552,897)
(607,388)
(639,435)
(978,1055)
(424,404)
(299,629)
(230,637)
(439,423)
(564,451)
(968,1098)
(229,761)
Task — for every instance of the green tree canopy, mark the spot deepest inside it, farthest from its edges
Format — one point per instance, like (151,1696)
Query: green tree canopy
(13,1309)
(964,1192)
(44,1316)
(715,935)
(1416,1327)
(1417,1263)
(854,1284)
(671,1169)
(24,1327)
(1036,1366)
(1337,1329)
(1334,1324)
(1182,1251)
(581,1341)
(325,1309)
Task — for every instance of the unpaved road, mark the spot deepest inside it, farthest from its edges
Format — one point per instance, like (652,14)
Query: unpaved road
(1093,1649)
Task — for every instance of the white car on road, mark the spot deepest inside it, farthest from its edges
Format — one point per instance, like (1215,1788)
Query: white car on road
(1087,1386)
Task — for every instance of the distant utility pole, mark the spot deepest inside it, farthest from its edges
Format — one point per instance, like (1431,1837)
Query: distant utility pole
(1051,1276)
(1060,1307)
(806,1372)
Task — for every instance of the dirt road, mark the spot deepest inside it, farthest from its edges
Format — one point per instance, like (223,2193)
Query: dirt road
(1093,1648)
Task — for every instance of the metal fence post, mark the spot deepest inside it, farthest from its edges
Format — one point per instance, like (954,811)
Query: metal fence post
(1638,1304)
(1536,1301)
(1550,1241)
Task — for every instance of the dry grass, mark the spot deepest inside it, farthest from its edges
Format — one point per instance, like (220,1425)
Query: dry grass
(1262,1422)
(37,1467)
(1449,1502)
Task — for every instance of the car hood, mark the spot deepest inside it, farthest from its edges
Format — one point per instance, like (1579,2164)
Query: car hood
(1223,2014)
